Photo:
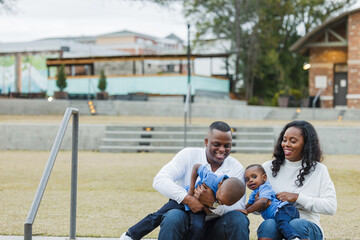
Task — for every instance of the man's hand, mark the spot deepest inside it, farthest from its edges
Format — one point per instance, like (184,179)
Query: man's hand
(205,195)
(194,204)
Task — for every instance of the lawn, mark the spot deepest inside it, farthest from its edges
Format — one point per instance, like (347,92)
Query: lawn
(115,191)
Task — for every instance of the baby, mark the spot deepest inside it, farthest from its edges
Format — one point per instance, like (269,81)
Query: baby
(282,212)
(227,191)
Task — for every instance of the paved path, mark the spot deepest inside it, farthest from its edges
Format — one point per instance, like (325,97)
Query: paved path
(52,238)
(55,238)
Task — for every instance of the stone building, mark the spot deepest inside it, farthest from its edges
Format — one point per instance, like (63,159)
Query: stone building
(333,49)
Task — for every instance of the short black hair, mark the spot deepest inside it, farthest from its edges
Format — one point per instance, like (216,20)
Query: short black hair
(258,166)
(221,126)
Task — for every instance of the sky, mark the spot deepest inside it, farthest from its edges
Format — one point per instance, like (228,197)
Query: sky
(36,19)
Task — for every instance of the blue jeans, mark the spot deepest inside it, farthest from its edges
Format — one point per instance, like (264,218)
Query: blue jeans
(283,217)
(306,230)
(153,220)
(233,225)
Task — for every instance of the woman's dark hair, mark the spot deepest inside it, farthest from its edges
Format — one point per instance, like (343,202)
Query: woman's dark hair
(311,152)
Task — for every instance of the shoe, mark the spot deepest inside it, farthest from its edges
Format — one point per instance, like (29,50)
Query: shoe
(125,237)
(291,239)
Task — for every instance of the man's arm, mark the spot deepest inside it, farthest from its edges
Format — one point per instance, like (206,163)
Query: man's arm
(165,181)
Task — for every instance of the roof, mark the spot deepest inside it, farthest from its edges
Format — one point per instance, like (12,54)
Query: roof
(128,33)
(300,46)
(174,37)
(88,60)
(76,49)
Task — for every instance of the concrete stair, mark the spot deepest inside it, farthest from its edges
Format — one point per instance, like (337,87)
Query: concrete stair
(171,139)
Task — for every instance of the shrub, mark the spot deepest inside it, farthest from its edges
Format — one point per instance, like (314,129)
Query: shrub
(102,81)
(61,78)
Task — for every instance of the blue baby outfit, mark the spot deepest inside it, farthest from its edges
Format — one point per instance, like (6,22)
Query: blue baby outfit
(209,178)
(267,192)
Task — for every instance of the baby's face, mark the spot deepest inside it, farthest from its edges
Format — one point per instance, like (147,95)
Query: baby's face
(254,178)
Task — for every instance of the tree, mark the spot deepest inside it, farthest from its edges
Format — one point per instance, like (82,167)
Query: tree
(102,81)
(61,78)
(261,33)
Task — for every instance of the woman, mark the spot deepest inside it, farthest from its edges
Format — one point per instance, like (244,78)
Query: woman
(297,176)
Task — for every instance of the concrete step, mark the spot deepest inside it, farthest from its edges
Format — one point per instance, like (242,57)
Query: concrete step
(201,129)
(180,135)
(171,138)
(174,149)
(178,142)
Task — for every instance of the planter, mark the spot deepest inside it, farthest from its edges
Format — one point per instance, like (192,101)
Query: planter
(61,95)
(102,96)
(283,101)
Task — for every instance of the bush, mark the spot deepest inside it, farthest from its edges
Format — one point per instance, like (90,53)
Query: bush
(102,81)
(253,101)
(61,78)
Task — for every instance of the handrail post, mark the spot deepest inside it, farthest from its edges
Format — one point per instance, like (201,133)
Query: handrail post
(47,171)
(314,102)
(27,231)
(74,170)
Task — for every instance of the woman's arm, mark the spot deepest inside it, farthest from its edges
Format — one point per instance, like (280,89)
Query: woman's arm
(325,202)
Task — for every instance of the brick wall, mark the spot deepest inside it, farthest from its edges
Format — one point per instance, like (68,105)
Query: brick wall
(353,99)
(322,60)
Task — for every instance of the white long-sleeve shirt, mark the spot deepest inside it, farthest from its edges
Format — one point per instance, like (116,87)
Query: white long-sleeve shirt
(175,175)
(316,196)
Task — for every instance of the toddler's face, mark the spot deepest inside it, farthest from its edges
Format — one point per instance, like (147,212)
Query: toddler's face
(254,178)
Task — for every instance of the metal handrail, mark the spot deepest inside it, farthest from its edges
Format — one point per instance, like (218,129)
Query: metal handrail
(317,96)
(47,171)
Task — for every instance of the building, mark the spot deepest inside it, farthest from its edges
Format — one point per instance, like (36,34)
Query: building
(333,49)
(158,74)
(23,68)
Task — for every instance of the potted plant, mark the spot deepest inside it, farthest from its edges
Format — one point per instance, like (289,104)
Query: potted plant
(284,96)
(61,83)
(102,95)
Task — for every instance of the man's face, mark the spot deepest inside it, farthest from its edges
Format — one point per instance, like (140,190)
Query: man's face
(218,146)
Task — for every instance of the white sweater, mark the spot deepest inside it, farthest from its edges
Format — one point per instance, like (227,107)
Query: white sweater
(316,196)
(175,175)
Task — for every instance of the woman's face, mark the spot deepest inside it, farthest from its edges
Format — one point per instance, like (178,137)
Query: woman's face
(293,144)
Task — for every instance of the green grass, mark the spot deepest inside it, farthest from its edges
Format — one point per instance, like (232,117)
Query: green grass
(115,191)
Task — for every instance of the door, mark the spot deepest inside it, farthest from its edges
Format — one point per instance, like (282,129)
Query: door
(340,89)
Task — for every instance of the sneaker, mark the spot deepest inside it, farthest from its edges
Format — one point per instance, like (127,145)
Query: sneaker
(291,239)
(125,237)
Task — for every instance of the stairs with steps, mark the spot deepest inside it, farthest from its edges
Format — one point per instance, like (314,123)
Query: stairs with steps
(171,139)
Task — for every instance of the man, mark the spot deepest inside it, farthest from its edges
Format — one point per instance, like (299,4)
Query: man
(224,222)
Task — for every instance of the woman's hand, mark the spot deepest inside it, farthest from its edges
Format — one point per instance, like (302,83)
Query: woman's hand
(286,196)
(205,195)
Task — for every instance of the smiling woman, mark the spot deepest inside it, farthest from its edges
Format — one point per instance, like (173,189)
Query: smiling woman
(297,176)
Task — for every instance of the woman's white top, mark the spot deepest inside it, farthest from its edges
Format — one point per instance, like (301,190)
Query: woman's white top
(316,196)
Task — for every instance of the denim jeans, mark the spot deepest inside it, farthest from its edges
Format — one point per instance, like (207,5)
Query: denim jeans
(306,229)
(153,220)
(231,226)
(283,217)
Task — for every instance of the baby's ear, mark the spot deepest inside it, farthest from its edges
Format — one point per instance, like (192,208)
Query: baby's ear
(264,177)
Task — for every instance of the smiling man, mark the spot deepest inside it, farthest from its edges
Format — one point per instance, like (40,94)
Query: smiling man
(175,175)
